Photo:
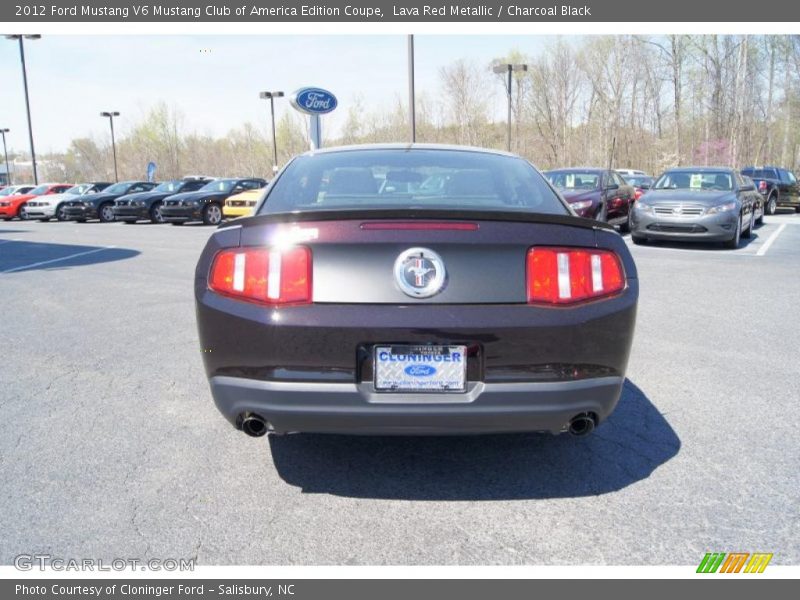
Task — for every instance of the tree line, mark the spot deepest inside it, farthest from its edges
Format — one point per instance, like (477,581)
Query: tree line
(647,102)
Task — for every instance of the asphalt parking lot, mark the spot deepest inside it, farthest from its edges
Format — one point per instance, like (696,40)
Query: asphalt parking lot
(110,445)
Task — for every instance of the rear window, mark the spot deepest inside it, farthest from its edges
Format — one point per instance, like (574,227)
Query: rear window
(419,179)
(574,180)
(760,173)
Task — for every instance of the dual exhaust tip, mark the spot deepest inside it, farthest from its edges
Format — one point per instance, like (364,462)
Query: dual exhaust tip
(255,426)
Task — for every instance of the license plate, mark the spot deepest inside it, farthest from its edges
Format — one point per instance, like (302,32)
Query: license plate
(420,368)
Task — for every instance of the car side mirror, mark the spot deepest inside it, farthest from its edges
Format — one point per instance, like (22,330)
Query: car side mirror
(747,188)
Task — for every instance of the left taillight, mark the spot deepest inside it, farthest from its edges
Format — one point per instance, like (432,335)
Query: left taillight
(264,275)
(561,276)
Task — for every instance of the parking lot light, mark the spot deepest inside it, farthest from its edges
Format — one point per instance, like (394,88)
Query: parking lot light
(111,116)
(3,132)
(271,97)
(509,68)
(20,39)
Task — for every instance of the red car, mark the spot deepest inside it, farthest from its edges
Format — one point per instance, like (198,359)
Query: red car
(14,205)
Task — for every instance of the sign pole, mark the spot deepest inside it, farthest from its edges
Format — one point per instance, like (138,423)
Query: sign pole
(316,132)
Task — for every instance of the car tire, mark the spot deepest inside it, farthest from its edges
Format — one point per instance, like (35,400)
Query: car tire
(129,222)
(627,225)
(797,209)
(81,220)
(638,240)
(212,214)
(760,219)
(21,214)
(751,226)
(177,222)
(155,213)
(733,243)
(772,204)
(60,214)
(105,212)
(602,214)
(44,220)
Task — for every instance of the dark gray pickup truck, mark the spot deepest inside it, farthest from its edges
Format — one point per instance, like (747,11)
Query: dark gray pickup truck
(778,186)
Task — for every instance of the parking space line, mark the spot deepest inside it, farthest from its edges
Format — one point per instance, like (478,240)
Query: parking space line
(54,260)
(763,250)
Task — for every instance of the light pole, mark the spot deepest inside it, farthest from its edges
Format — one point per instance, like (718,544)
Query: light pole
(412,107)
(509,68)
(111,116)
(5,151)
(27,100)
(271,97)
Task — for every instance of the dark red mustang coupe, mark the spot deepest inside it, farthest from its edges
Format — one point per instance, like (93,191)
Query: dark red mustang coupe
(401,289)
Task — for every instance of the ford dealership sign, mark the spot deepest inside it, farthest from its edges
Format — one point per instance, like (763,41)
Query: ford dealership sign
(314,101)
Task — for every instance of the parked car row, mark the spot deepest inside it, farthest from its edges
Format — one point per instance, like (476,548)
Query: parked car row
(178,201)
(709,204)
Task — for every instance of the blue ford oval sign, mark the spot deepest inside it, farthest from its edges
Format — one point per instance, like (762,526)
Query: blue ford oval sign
(314,101)
(420,370)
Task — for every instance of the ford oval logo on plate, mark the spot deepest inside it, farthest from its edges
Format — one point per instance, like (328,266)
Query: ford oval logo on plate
(314,101)
(420,370)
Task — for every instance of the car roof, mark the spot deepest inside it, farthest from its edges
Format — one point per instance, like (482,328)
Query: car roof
(584,169)
(700,169)
(408,146)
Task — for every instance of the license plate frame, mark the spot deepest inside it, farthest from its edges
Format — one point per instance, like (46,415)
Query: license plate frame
(442,368)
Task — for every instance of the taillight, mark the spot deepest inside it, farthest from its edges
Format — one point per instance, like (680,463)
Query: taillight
(265,275)
(569,275)
(762,186)
(637,193)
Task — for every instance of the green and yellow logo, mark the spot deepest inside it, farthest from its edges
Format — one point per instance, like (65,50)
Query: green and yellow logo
(734,562)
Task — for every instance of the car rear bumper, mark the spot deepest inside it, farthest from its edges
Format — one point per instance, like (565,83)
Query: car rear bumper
(356,408)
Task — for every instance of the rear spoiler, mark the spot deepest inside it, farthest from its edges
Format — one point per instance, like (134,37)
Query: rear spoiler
(472,215)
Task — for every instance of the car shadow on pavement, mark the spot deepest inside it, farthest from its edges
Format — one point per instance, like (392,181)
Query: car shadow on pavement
(627,448)
(19,256)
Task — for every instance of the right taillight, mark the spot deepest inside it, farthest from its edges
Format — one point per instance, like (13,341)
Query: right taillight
(264,275)
(568,275)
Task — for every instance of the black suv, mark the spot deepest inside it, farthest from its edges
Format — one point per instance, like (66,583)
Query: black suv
(778,186)
(206,204)
(101,205)
(147,205)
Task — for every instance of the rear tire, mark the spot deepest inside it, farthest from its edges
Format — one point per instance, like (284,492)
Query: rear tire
(212,214)
(772,204)
(638,240)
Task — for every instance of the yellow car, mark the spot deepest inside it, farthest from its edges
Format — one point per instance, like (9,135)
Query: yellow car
(242,205)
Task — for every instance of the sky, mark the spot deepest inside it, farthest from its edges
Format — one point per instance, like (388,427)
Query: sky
(214,80)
